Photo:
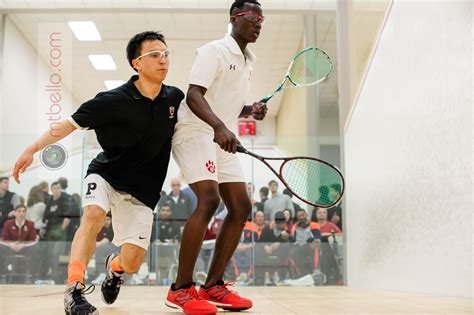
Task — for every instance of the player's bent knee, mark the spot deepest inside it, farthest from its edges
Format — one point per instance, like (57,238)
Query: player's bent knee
(93,217)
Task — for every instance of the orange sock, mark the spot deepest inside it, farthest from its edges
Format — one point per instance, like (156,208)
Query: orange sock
(115,265)
(75,272)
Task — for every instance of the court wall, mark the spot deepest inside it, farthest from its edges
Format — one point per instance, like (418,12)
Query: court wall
(408,155)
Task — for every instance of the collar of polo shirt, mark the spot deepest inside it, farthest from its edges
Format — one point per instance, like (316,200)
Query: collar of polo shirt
(136,93)
(235,49)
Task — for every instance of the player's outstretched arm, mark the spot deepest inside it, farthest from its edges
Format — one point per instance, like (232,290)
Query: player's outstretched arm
(53,135)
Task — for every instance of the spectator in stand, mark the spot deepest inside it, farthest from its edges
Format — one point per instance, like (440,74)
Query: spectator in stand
(18,238)
(287,192)
(56,218)
(250,192)
(63,183)
(180,203)
(335,213)
(288,220)
(74,205)
(190,193)
(323,195)
(327,227)
(272,250)
(44,185)
(328,263)
(278,202)
(259,220)
(36,207)
(166,235)
(263,198)
(8,201)
(307,236)
(103,248)
(241,262)
(167,230)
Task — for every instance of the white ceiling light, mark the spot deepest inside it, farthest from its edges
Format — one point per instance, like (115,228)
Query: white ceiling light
(103,62)
(85,30)
(112,84)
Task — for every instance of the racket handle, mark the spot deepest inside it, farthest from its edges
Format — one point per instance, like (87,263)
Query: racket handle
(241,149)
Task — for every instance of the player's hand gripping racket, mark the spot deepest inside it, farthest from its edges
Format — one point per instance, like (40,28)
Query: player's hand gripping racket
(309,179)
(310,66)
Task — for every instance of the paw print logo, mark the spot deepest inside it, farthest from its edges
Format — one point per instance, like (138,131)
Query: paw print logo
(210,166)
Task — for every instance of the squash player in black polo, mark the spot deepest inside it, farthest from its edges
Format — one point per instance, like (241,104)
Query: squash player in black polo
(134,124)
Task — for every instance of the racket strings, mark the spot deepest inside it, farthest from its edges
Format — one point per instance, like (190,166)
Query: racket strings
(311,180)
(310,66)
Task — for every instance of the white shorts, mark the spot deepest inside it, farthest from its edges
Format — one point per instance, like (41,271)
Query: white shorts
(132,221)
(200,158)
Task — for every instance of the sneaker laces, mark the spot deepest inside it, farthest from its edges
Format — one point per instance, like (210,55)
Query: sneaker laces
(78,293)
(219,291)
(115,280)
(193,293)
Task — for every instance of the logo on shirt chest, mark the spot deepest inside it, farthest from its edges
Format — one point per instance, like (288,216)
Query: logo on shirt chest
(171,110)
(54,208)
(232,67)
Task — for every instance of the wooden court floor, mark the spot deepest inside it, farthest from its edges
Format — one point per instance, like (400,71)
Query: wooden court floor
(24,299)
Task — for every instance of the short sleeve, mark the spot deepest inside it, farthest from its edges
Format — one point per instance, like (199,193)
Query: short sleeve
(92,114)
(205,67)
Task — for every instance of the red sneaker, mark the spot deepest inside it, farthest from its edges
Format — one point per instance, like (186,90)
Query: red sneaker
(224,298)
(189,302)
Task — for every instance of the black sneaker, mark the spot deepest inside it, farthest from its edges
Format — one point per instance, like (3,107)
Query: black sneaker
(74,301)
(113,281)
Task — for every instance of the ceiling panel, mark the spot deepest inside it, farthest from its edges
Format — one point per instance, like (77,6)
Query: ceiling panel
(278,43)
(274,5)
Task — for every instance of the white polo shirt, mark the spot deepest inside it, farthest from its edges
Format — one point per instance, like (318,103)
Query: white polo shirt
(225,72)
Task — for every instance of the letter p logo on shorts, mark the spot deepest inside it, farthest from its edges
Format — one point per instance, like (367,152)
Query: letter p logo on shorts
(90,186)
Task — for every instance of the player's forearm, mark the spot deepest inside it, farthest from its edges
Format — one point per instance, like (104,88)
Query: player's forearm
(56,133)
(199,106)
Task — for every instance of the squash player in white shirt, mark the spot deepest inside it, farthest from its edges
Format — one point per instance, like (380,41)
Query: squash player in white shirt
(204,147)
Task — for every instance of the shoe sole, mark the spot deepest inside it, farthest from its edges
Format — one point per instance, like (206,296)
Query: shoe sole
(228,307)
(177,307)
(96,312)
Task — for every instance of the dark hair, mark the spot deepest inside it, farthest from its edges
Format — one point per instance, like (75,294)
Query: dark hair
(4,178)
(279,217)
(287,192)
(43,184)
(272,181)
(239,4)
(54,184)
(135,44)
(36,195)
(63,182)
(20,206)
(264,190)
(301,210)
(166,204)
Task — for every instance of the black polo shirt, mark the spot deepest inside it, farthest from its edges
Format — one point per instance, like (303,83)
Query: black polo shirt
(135,133)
